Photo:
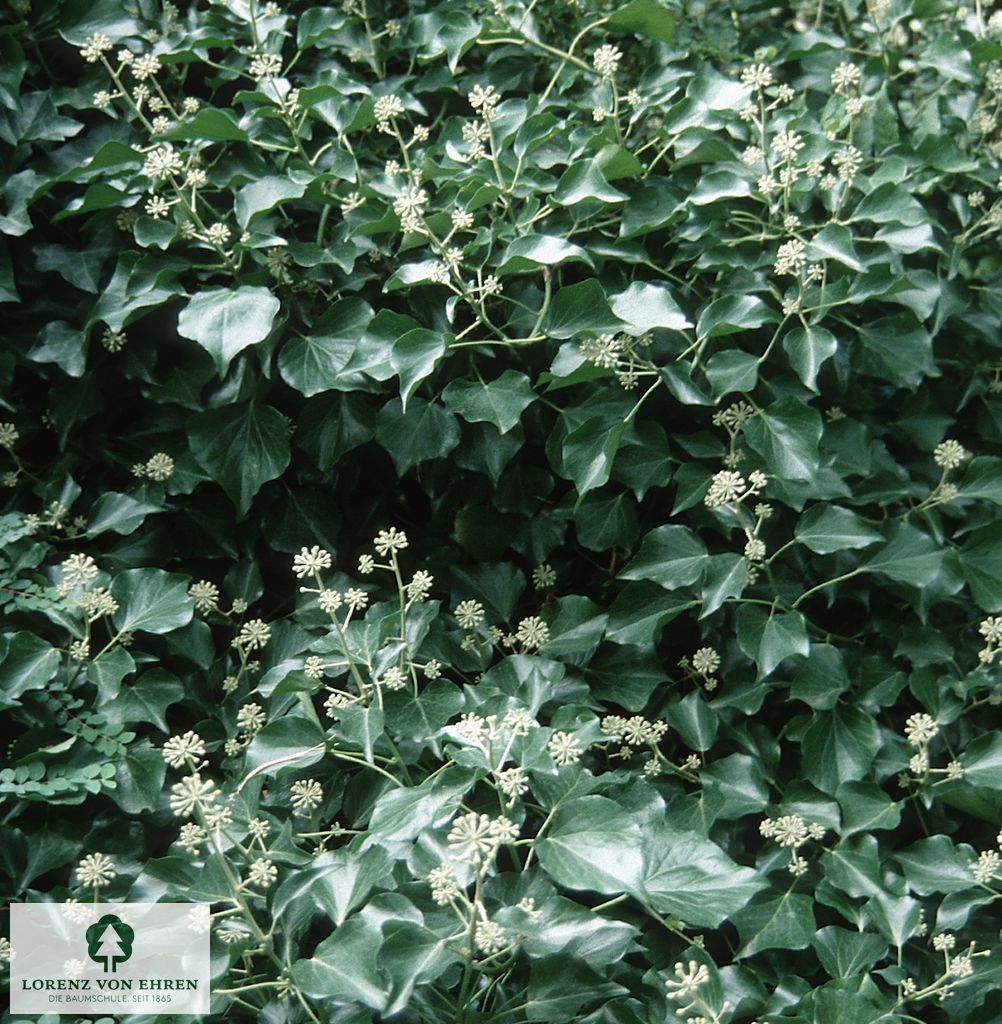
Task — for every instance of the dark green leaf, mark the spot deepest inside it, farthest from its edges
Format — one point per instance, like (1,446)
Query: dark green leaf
(344,967)
(646,18)
(241,447)
(312,363)
(585,181)
(777,922)
(287,744)
(910,557)
(787,435)
(224,321)
(28,663)
(826,528)
(533,252)
(424,431)
(646,306)
(839,746)
(672,556)
(151,600)
(732,313)
(263,195)
(581,309)
(808,348)
(500,402)
(981,564)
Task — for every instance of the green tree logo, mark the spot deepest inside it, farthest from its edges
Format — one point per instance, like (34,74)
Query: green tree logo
(109,942)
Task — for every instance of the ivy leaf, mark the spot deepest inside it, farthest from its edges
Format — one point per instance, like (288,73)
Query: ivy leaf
(937,865)
(854,867)
(834,1006)
(692,878)
(839,746)
(695,722)
(80,20)
(826,528)
(583,181)
(672,556)
(770,638)
(732,371)
(787,434)
(412,955)
(846,954)
(151,600)
(808,348)
(414,355)
(646,306)
(225,321)
(108,670)
(241,447)
(604,522)
(899,350)
(147,701)
(400,815)
(27,662)
(533,252)
(730,314)
(594,845)
(361,727)
(118,513)
(777,922)
(59,343)
(588,453)
(890,204)
(982,761)
(581,308)
(36,120)
(645,18)
(139,778)
(344,967)
(451,32)
(500,401)
(981,564)
(286,744)
(723,184)
(338,881)
(312,363)
(983,479)
(866,808)
(910,556)
(726,576)
(835,242)
(577,625)
(423,431)
(641,611)
(210,124)
(264,195)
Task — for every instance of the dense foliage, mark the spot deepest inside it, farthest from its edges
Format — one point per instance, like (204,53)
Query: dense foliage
(501,501)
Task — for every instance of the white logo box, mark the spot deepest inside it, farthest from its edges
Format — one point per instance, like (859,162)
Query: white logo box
(109,958)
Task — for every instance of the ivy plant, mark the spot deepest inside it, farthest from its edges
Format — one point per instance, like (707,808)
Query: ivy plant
(501,501)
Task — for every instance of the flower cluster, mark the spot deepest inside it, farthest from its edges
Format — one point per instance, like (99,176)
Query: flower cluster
(791,831)
(991,630)
(496,739)
(920,728)
(96,869)
(729,487)
(159,467)
(684,988)
(627,356)
(475,838)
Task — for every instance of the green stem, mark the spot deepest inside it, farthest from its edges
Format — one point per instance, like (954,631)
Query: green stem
(821,586)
